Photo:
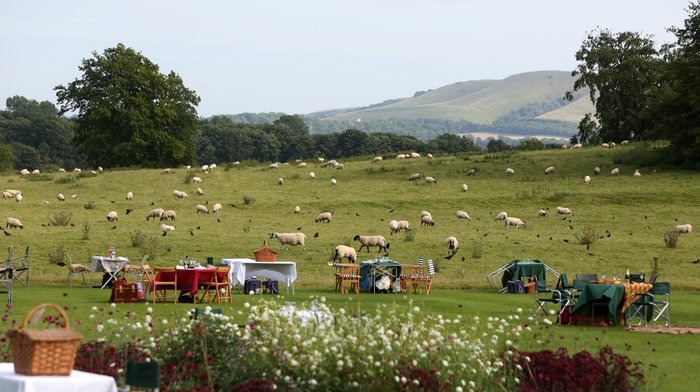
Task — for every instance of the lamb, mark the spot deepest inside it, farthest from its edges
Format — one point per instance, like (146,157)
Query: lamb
(290,239)
(196,179)
(396,226)
(414,177)
(586,179)
(452,246)
(427,220)
(637,173)
(166,228)
(324,217)
(7,195)
(333,181)
(18,197)
(372,240)
(596,170)
(342,251)
(471,172)
(280,181)
(465,187)
(202,209)
(511,221)
(297,209)
(615,172)
(377,159)
(510,171)
(168,215)
(564,211)
(216,208)
(199,191)
(683,229)
(430,180)
(501,216)
(13,223)
(112,216)
(541,213)
(156,213)
(549,170)
(129,196)
(463,215)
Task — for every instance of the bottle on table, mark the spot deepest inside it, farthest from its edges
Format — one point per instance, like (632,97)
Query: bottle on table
(627,276)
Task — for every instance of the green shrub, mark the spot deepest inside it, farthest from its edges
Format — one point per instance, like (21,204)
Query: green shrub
(477,250)
(247,199)
(57,256)
(65,180)
(188,177)
(60,218)
(138,238)
(87,174)
(86,230)
(671,238)
(409,235)
(90,205)
(40,177)
(587,237)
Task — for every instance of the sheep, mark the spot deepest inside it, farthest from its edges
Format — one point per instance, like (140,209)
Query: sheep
(586,179)
(396,226)
(401,156)
(372,240)
(93,172)
(596,170)
(564,211)
(425,213)
(549,170)
(624,142)
(74,197)
(280,181)
(302,164)
(156,213)
(414,177)
(273,166)
(36,172)
(312,175)
(77,170)
(13,223)
(430,156)
(324,217)
(683,229)
(297,209)
(204,168)
(129,196)
(637,173)
(61,170)
(465,187)
(564,147)
(415,155)
(615,172)
(18,197)
(166,228)
(452,246)
(430,180)
(541,213)
(605,145)
(167,170)
(212,166)
(199,192)
(463,215)
(471,172)
(236,163)
(168,215)
(320,160)
(577,145)
(333,181)
(180,194)
(427,220)
(290,239)
(377,159)
(511,221)
(112,216)
(7,195)
(612,144)
(340,166)
(100,169)
(510,171)
(343,251)
(24,172)
(196,179)
(202,209)
(501,216)
(216,208)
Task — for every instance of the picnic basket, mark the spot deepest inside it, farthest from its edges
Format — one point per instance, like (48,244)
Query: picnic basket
(44,352)
(265,253)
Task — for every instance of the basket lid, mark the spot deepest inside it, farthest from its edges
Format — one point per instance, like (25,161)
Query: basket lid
(50,335)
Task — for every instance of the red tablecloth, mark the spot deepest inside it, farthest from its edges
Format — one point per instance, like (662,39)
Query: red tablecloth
(189,279)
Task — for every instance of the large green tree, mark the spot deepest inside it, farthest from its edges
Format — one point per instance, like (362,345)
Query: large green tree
(128,113)
(619,69)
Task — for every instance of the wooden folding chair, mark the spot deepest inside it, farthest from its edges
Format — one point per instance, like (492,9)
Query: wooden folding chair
(219,287)
(165,281)
(147,279)
(347,273)
(135,270)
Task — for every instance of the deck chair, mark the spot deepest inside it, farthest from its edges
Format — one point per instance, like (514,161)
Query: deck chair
(347,273)
(651,306)
(20,267)
(143,375)
(165,281)
(76,270)
(135,271)
(561,295)
(638,278)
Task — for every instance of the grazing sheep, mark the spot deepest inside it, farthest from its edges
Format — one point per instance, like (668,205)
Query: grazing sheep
(605,145)
(339,166)
(564,147)
(372,240)
(100,169)
(199,192)
(396,226)
(586,179)
(167,170)
(425,213)
(414,177)
(312,175)
(577,145)
(216,208)
(61,170)
(615,172)
(452,246)
(465,187)
(637,173)
(24,172)
(683,229)
(168,215)
(297,209)
(430,180)
(415,155)
(280,181)
(471,172)
(301,164)
(463,215)
(342,252)
(18,197)
(430,156)
(624,142)
(549,170)
(333,181)
(180,194)
(7,195)
(205,168)
(77,170)
(202,209)
(377,159)
(13,223)
(93,172)
(501,216)
(112,216)
(156,213)
(511,172)
(612,144)
(324,217)
(541,213)
(166,228)
(129,196)
(596,170)
(401,156)
(196,179)
(273,166)
(212,166)
(290,239)
(511,221)
(564,211)
(36,172)
(74,197)
(427,220)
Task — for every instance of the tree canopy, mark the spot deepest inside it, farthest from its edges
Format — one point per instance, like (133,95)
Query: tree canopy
(128,113)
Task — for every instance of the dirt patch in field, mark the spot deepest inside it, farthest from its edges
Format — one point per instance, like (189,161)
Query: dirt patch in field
(678,330)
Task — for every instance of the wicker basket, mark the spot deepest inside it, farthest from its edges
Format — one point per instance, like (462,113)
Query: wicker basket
(265,253)
(44,352)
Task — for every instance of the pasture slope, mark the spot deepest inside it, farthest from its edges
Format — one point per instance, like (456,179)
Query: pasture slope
(636,211)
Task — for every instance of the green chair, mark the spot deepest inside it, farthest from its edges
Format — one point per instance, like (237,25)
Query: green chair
(561,296)
(143,375)
(651,306)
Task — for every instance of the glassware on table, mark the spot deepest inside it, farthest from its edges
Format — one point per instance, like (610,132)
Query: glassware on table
(602,276)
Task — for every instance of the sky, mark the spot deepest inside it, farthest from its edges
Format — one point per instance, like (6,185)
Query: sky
(302,56)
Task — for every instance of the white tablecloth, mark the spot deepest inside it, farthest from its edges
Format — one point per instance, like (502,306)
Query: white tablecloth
(77,382)
(105,264)
(242,269)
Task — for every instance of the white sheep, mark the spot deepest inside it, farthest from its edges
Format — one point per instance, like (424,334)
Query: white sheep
(452,245)
(637,173)
(312,175)
(430,156)
(396,226)
(414,177)
(596,170)
(541,213)
(430,180)
(683,229)
(605,145)
(615,172)
(549,170)
(7,195)
(196,179)
(297,209)
(166,228)
(465,187)
(24,172)
(324,217)
(510,171)
(586,179)
(236,163)
(624,142)
(501,216)
(36,172)
(61,170)
(201,209)
(511,221)
(212,166)
(564,147)
(155,213)
(205,168)
(290,239)
(77,170)
(425,213)
(463,215)
(372,240)
(415,155)
(280,181)
(18,197)
(333,181)
(273,166)
(427,220)
(577,145)
(93,172)
(216,208)
(343,251)
(301,164)
(471,172)
(100,169)
(377,159)
(401,156)
(74,197)
(112,216)
(168,215)
(564,211)
(129,196)
(339,166)
(14,223)
(167,170)
(180,194)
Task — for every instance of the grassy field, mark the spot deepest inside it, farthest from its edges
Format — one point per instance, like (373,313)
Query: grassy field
(636,211)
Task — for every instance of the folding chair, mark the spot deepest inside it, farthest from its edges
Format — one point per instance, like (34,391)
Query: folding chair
(561,296)
(221,286)
(165,281)
(76,269)
(638,278)
(143,375)
(147,279)
(136,271)
(347,273)
(20,267)
(7,289)
(651,306)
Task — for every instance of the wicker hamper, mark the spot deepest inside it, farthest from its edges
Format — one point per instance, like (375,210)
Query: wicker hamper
(265,253)
(44,352)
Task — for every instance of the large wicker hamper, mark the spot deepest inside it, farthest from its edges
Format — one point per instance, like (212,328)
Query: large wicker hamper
(44,352)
